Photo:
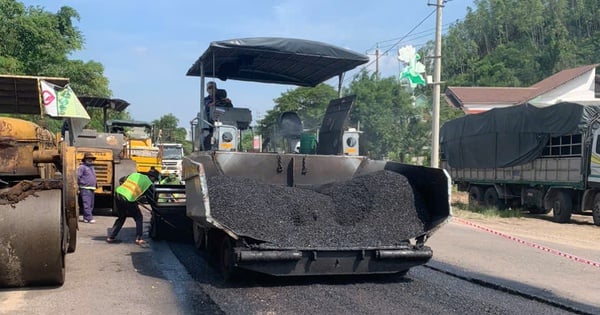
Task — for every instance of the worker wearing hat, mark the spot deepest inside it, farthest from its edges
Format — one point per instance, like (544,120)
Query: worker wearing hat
(86,180)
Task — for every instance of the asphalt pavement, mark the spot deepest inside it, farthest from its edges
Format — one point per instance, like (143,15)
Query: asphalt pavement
(559,273)
(124,278)
(104,278)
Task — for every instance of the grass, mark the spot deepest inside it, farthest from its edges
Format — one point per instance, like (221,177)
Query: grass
(488,212)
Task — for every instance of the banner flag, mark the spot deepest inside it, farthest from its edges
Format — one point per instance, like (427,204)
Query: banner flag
(62,102)
(49,98)
(69,105)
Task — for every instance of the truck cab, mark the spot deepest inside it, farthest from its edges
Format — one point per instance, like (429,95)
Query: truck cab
(172,157)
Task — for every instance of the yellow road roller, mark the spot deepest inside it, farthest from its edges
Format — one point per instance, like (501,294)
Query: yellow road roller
(38,190)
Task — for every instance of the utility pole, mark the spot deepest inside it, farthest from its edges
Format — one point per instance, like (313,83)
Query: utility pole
(437,74)
(377,63)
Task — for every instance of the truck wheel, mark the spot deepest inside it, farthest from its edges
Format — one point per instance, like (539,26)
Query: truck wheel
(537,210)
(561,207)
(475,196)
(155,228)
(492,200)
(596,211)
(199,237)
(227,259)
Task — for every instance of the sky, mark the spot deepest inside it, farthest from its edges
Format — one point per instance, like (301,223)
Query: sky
(147,46)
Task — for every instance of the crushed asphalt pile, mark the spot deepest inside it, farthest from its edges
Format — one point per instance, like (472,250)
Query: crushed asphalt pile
(377,209)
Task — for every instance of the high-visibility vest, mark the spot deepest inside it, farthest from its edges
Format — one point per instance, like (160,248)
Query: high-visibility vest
(134,186)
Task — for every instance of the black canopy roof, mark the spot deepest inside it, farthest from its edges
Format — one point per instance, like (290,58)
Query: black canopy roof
(276,60)
(128,123)
(104,103)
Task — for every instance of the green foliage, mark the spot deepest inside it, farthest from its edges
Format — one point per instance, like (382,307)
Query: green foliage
(518,43)
(308,103)
(36,42)
(247,141)
(392,127)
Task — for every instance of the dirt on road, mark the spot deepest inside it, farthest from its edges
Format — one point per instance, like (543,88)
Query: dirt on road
(580,232)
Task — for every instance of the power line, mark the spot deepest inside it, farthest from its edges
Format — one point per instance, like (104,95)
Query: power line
(425,35)
(428,32)
(400,40)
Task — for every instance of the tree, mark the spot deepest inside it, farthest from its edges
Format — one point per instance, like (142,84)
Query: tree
(392,127)
(309,103)
(518,43)
(36,42)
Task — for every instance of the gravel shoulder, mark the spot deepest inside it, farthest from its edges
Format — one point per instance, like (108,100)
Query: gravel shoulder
(581,232)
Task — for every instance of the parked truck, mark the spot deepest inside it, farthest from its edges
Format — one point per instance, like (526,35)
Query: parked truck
(298,214)
(172,158)
(539,159)
(38,188)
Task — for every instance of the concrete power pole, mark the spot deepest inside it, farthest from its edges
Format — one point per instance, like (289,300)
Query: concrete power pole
(377,63)
(437,74)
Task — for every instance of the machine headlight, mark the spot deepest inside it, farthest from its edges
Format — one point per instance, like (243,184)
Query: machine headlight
(227,137)
(351,142)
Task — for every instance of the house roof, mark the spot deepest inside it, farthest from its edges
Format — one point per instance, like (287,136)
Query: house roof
(560,78)
(465,96)
(487,95)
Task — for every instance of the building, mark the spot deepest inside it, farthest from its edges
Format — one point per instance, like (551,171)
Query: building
(579,85)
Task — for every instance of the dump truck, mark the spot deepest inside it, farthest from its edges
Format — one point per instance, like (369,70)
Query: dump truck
(38,188)
(289,214)
(540,159)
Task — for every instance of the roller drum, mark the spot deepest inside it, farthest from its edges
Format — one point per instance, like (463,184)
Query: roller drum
(32,241)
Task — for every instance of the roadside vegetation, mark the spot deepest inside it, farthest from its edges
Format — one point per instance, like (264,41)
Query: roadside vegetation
(461,208)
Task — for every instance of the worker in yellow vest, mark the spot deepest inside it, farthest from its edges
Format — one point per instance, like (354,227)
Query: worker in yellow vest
(127,195)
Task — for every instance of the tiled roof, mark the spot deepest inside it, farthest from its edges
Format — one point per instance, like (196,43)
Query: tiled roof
(461,96)
(488,95)
(558,79)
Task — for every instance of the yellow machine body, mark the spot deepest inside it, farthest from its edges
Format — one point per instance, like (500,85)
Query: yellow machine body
(103,166)
(38,204)
(145,154)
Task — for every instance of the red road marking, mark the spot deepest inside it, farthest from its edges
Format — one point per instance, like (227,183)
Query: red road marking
(530,244)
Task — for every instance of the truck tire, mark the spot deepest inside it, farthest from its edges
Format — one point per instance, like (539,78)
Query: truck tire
(537,210)
(561,207)
(596,211)
(475,196)
(155,228)
(199,237)
(491,199)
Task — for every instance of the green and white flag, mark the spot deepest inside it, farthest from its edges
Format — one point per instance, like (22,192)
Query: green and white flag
(62,102)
